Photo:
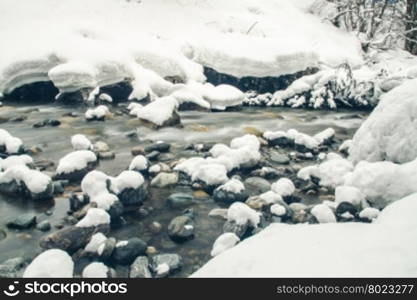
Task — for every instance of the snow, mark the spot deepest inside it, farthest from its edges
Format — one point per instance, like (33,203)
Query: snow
(96,241)
(159,111)
(223,242)
(105,97)
(325,135)
(382,135)
(278,210)
(15,160)
(323,214)
(211,174)
(242,214)
(12,144)
(97,113)
(283,187)
(300,138)
(94,183)
(94,217)
(223,96)
(219,38)
(134,108)
(75,161)
(381,249)
(81,142)
(233,186)
(126,180)
(53,263)
(247,140)
(383,182)
(345,146)
(95,270)
(369,213)
(349,194)
(36,182)
(271,197)
(104,200)
(139,163)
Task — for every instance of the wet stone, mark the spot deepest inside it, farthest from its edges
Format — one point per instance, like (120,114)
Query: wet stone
(23,221)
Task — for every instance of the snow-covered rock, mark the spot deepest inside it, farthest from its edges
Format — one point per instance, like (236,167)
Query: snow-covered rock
(389,133)
(226,241)
(9,144)
(231,191)
(53,263)
(94,218)
(75,165)
(95,242)
(99,113)
(283,187)
(161,112)
(386,240)
(22,181)
(81,142)
(323,214)
(349,194)
(242,214)
(278,210)
(369,213)
(15,160)
(383,182)
(223,96)
(211,174)
(96,270)
(139,163)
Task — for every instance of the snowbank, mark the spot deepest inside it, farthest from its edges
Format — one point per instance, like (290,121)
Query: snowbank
(390,132)
(239,38)
(53,263)
(381,249)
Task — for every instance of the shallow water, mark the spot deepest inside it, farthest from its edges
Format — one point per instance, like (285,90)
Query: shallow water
(198,127)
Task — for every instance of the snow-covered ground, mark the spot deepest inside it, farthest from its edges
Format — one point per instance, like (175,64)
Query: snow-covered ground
(85,44)
(385,248)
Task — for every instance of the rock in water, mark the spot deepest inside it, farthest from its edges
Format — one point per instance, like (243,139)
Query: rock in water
(127,251)
(174,262)
(181,229)
(179,200)
(140,268)
(165,179)
(23,221)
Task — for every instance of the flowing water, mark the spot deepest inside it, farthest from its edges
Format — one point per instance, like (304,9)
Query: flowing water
(198,127)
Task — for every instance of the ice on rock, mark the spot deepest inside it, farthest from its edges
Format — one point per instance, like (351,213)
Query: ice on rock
(96,241)
(98,113)
(95,270)
(242,214)
(383,182)
(161,112)
(81,142)
(386,239)
(11,144)
(283,187)
(53,263)
(390,132)
(224,242)
(139,163)
(349,194)
(94,217)
(75,161)
(323,214)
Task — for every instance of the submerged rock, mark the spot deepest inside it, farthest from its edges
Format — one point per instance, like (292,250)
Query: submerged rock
(126,252)
(23,221)
(181,229)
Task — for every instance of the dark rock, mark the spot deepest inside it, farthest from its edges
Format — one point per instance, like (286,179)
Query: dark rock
(23,221)
(224,196)
(77,175)
(138,150)
(346,207)
(126,254)
(58,187)
(153,155)
(72,238)
(181,229)
(44,226)
(160,147)
(132,197)
(108,249)
(18,119)
(140,268)
(115,210)
(179,200)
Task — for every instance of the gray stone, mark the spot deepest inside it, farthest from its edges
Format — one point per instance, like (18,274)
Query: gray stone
(10,267)
(238,229)
(106,155)
(108,248)
(257,185)
(179,200)
(224,196)
(279,158)
(140,268)
(165,179)
(160,147)
(174,261)
(181,229)
(23,221)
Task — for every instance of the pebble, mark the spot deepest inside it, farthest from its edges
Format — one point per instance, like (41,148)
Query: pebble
(44,226)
